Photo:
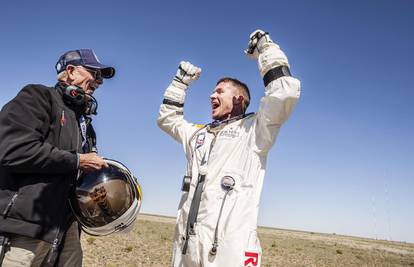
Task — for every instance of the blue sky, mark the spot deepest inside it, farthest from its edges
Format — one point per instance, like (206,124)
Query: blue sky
(343,163)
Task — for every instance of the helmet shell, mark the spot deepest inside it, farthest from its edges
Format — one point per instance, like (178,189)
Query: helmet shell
(106,201)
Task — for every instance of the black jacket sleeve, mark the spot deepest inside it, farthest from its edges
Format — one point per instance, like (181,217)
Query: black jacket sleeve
(24,123)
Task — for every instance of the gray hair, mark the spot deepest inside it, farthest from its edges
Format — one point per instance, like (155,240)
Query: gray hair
(62,76)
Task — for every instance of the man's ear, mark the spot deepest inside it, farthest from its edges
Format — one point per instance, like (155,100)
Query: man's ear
(69,70)
(238,100)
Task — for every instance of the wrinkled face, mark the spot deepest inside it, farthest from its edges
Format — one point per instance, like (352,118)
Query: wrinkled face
(222,100)
(89,80)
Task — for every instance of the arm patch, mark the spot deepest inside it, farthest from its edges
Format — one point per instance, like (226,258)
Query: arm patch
(172,103)
(275,74)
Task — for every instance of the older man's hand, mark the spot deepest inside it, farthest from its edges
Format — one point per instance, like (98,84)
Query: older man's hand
(91,162)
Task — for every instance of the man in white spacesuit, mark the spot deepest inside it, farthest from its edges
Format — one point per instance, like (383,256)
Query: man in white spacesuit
(217,215)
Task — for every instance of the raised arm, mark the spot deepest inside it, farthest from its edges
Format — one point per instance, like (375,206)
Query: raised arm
(282,91)
(171,115)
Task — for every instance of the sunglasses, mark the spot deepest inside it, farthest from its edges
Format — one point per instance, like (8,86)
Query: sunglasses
(96,74)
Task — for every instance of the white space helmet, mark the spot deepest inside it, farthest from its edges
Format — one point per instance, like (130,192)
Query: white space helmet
(106,201)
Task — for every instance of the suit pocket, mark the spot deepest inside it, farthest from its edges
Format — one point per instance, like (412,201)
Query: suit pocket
(39,203)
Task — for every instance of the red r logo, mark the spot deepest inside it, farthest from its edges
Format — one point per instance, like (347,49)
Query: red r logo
(251,257)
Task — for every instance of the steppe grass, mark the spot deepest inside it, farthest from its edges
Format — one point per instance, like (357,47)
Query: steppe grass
(149,243)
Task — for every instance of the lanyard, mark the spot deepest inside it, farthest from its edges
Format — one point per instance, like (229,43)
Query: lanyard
(82,125)
(195,203)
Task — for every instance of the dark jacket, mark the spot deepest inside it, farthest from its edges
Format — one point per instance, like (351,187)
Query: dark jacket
(39,141)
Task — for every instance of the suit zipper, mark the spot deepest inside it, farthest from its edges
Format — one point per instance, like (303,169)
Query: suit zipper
(77,138)
(9,206)
(52,255)
(54,250)
(62,123)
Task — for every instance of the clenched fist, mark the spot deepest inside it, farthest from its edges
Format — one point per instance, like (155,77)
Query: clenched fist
(258,41)
(268,54)
(187,73)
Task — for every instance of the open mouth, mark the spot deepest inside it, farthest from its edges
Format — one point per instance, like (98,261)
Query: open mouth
(214,105)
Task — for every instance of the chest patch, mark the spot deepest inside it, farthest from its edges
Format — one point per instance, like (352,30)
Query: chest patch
(200,140)
(229,133)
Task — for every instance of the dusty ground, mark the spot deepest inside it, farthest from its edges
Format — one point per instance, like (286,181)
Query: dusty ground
(150,241)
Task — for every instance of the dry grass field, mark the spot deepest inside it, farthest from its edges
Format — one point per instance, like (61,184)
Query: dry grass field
(150,241)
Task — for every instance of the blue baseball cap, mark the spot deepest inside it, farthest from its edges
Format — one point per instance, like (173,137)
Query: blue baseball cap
(86,58)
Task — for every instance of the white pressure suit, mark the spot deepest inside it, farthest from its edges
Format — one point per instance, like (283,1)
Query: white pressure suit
(237,148)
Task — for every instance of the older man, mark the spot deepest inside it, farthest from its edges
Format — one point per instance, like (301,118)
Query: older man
(46,137)
(217,216)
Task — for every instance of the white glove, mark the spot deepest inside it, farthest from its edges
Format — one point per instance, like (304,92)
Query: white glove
(186,74)
(259,41)
(268,54)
